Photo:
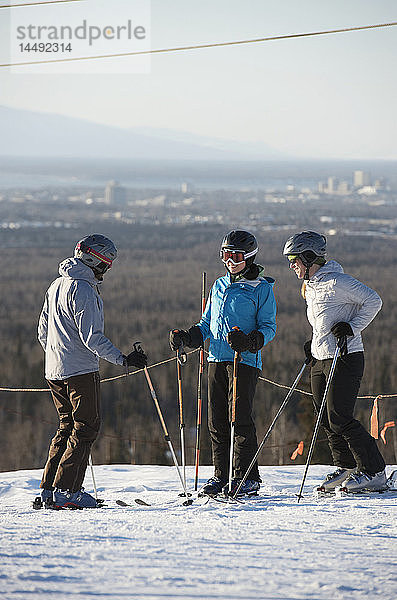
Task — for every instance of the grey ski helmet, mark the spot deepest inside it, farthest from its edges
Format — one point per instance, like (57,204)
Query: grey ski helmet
(309,246)
(306,241)
(96,251)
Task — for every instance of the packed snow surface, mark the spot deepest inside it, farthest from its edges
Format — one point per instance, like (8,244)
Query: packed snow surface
(270,547)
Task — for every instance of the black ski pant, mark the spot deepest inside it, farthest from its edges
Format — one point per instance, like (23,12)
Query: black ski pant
(76,400)
(350,443)
(220,395)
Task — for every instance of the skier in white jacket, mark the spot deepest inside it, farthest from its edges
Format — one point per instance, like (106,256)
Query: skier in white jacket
(71,333)
(339,307)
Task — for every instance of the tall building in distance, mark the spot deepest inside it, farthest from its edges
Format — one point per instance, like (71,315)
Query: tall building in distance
(332,184)
(361,179)
(114,193)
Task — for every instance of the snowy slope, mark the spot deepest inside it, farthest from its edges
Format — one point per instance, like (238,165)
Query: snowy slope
(270,547)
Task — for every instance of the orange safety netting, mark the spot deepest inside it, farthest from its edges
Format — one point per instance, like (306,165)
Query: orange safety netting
(385,428)
(299,450)
(374,419)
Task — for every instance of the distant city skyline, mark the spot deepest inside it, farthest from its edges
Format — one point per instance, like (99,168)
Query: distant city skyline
(322,97)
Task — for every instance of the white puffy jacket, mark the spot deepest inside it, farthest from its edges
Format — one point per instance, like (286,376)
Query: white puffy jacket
(71,324)
(333,296)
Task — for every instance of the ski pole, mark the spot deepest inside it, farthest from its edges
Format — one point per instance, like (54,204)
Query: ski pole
(92,475)
(233,420)
(268,432)
(181,359)
(319,417)
(199,390)
(166,434)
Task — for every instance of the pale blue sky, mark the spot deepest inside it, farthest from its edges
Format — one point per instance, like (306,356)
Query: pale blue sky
(330,96)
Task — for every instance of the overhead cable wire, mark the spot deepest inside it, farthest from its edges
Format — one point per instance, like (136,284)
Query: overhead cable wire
(204,46)
(38,3)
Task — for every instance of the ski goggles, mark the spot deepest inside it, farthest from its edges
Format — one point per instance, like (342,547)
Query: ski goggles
(84,248)
(236,256)
(292,258)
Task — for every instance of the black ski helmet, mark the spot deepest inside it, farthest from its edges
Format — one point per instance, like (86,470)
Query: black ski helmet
(97,252)
(243,241)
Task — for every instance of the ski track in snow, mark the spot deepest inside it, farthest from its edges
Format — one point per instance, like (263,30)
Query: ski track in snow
(271,547)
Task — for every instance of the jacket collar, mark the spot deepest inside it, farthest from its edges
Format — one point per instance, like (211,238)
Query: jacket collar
(73,268)
(330,267)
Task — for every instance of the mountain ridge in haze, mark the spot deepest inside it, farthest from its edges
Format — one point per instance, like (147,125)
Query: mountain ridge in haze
(28,133)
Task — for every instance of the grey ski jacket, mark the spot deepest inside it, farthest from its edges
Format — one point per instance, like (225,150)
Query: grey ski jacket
(333,296)
(71,324)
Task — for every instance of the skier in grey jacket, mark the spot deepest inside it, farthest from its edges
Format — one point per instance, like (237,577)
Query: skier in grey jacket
(70,331)
(339,307)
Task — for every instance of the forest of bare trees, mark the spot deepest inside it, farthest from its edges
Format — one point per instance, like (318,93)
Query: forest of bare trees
(154,286)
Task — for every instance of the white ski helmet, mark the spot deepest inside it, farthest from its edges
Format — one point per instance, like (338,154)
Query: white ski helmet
(96,251)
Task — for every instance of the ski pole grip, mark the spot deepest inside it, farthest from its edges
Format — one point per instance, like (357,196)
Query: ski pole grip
(181,355)
(180,352)
(237,354)
(137,347)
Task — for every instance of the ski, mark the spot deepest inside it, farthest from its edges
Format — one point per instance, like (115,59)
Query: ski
(221,498)
(136,500)
(343,492)
(141,502)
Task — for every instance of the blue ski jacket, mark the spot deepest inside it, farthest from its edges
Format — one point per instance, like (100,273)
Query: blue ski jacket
(246,304)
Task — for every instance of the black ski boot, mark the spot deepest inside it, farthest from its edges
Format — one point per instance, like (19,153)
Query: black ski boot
(213,487)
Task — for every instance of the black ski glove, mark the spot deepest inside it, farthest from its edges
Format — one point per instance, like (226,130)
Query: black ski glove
(192,338)
(256,340)
(136,358)
(178,338)
(342,328)
(241,342)
(341,331)
(238,340)
(307,347)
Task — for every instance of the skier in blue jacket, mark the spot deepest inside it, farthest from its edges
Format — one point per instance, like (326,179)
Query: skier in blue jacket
(240,316)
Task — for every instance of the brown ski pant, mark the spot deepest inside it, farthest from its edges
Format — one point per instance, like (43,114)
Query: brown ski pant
(77,402)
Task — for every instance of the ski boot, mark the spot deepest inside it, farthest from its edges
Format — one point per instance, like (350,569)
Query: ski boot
(74,500)
(332,481)
(249,488)
(360,481)
(213,487)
